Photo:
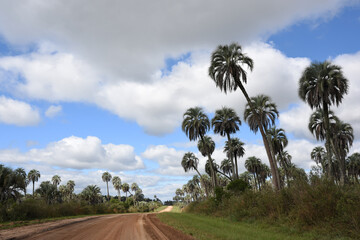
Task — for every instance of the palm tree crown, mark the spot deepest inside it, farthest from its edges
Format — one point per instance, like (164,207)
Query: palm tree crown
(226,67)
(322,83)
(265,110)
(225,121)
(106,177)
(195,123)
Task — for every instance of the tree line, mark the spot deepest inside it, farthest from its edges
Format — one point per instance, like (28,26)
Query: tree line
(321,85)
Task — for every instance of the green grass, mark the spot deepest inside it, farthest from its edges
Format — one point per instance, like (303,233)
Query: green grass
(160,208)
(206,228)
(14,224)
(176,209)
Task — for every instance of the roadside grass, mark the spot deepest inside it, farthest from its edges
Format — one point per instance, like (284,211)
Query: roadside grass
(206,228)
(176,209)
(160,208)
(14,224)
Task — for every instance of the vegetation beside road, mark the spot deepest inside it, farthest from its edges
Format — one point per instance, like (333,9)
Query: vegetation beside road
(205,228)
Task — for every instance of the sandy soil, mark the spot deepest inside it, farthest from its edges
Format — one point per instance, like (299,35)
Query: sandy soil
(120,226)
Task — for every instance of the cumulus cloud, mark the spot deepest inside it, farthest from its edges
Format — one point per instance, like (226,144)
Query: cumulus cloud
(122,40)
(79,153)
(53,111)
(17,112)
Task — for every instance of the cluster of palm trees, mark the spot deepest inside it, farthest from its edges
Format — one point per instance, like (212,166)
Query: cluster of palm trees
(321,86)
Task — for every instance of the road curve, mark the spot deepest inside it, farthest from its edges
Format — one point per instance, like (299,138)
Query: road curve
(120,226)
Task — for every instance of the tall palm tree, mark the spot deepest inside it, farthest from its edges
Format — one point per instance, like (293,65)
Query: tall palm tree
(116,181)
(226,166)
(343,137)
(354,166)
(70,185)
(318,155)
(321,85)
(56,180)
(317,128)
(253,164)
(34,176)
(190,161)
(225,122)
(134,187)
(195,125)
(21,179)
(106,177)
(260,113)
(284,160)
(206,147)
(235,148)
(226,69)
(125,188)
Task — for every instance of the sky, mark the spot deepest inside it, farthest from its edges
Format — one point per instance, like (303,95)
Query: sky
(88,87)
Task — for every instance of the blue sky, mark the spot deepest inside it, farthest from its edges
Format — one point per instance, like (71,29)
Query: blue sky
(83,93)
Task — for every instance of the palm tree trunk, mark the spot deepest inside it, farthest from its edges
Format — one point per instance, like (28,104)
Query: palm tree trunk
(202,182)
(341,162)
(210,163)
(266,144)
(272,151)
(224,175)
(231,158)
(236,167)
(33,187)
(107,187)
(256,185)
(328,139)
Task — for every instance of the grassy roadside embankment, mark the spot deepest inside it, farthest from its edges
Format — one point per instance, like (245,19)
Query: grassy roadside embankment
(206,228)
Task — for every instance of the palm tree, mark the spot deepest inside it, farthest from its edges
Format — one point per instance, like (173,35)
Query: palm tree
(21,179)
(116,181)
(321,85)
(125,188)
(284,160)
(225,122)
(226,166)
(190,161)
(318,155)
(227,71)
(56,180)
(195,125)
(235,148)
(134,187)
(253,164)
(91,194)
(260,113)
(70,188)
(106,177)
(354,166)
(33,176)
(206,147)
(343,137)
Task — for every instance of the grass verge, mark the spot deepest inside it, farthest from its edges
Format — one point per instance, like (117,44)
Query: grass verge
(14,224)
(160,208)
(205,227)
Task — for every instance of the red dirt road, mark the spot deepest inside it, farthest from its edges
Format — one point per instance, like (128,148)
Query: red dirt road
(121,226)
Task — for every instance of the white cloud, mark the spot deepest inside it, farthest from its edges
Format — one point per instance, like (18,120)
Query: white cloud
(121,38)
(53,111)
(79,153)
(17,113)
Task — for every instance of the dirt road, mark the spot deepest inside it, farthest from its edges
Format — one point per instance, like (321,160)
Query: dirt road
(120,226)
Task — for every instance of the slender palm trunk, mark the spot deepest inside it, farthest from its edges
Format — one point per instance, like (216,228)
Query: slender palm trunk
(256,185)
(119,194)
(224,175)
(210,163)
(327,136)
(33,187)
(341,161)
(272,151)
(107,187)
(234,177)
(202,182)
(266,144)
(236,167)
